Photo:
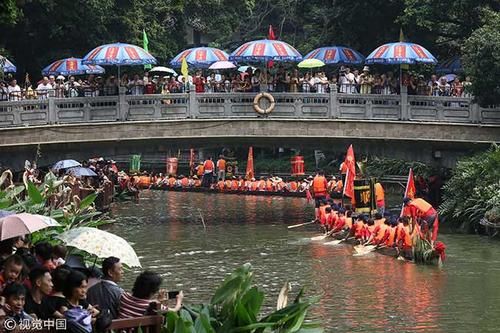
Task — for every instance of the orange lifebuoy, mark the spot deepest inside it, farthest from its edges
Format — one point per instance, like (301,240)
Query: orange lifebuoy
(256,103)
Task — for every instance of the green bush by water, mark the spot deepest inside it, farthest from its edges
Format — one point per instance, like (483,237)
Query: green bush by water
(473,191)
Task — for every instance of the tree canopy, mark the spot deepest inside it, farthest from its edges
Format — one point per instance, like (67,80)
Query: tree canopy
(36,32)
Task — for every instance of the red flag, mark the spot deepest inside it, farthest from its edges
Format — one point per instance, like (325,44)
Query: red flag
(271,36)
(410,189)
(350,161)
(250,173)
(349,186)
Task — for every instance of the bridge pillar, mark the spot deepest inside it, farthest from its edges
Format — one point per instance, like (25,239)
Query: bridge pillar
(475,113)
(404,103)
(122,104)
(193,109)
(51,111)
(333,110)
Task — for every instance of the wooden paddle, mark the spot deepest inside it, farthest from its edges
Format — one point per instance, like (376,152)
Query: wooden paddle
(301,224)
(318,238)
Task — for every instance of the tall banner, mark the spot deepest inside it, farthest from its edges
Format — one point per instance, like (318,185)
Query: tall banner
(349,186)
(410,189)
(145,42)
(135,163)
(250,172)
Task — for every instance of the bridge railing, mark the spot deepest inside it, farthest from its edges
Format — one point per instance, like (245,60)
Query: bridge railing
(331,105)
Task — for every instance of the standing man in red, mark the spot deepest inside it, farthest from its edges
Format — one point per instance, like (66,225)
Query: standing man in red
(320,187)
(420,209)
(208,167)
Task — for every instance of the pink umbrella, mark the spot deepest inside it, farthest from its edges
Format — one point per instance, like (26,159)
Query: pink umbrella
(21,224)
(222,65)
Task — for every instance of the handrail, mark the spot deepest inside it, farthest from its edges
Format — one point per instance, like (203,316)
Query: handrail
(331,105)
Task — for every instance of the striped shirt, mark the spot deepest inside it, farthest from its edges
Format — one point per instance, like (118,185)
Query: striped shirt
(132,307)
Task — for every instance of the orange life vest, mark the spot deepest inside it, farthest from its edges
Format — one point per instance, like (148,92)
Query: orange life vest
(171,182)
(228,184)
(339,186)
(184,182)
(269,185)
(234,185)
(407,241)
(319,186)
(220,185)
(381,232)
(392,237)
(197,183)
(420,204)
(208,165)
(200,170)
(221,165)
(348,222)
(379,193)
(262,185)
(254,186)
(293,186)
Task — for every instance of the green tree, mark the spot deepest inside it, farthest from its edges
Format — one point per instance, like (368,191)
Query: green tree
(481,59)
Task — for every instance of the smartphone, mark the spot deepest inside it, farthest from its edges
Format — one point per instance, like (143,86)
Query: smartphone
(172,294)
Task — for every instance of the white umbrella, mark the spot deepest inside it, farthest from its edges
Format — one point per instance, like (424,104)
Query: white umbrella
(101,243)
(22,224)
(162,69)
(222,65)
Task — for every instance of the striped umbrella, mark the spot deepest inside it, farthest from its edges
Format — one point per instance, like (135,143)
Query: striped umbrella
(336,55)
(199,57)
(400,53)
(8,66)
(71,66)
(450,66)
(265,50)
(118,54)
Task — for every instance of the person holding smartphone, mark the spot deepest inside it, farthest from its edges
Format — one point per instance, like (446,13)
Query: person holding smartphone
(147,298)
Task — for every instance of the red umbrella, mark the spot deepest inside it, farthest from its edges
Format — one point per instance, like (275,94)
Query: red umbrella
(22,224)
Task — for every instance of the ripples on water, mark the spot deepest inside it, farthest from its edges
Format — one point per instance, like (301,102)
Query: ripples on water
(373,293)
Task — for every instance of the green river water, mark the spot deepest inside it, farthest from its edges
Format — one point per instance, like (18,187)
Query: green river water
(373,293)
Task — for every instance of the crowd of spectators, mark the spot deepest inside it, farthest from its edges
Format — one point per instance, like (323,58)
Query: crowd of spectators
(41,285)
(252,80)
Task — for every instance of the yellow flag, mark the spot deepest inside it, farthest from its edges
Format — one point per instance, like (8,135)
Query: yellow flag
(184,68)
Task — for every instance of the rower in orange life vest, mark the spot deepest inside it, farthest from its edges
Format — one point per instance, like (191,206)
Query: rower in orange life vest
(319,187)
(421,210)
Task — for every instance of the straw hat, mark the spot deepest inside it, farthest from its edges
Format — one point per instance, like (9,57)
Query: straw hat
(366,69)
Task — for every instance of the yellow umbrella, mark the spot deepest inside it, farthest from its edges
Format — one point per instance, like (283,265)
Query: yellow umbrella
(311,63)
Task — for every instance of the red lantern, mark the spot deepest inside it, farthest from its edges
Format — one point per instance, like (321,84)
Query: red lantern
(297,166)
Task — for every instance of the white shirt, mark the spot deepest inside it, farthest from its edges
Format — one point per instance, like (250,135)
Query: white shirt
(14,93)
(43,90)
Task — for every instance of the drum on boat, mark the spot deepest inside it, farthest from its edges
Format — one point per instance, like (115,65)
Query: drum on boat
(364,195)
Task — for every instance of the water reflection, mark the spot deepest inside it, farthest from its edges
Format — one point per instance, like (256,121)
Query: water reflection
(374,293)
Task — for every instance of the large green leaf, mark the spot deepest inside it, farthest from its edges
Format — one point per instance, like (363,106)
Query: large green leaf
(202,324)
(34,194)
(87,201)
(253,300)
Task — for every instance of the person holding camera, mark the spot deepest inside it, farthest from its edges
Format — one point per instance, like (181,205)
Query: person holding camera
(346,81)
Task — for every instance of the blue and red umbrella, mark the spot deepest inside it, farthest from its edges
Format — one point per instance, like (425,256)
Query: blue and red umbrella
(200,57)
(265,50)
(8,66)
(336,55)
(400,53)
(71,66)
(118,54)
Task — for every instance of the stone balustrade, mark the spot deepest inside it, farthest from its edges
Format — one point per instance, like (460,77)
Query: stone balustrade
(240,105)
